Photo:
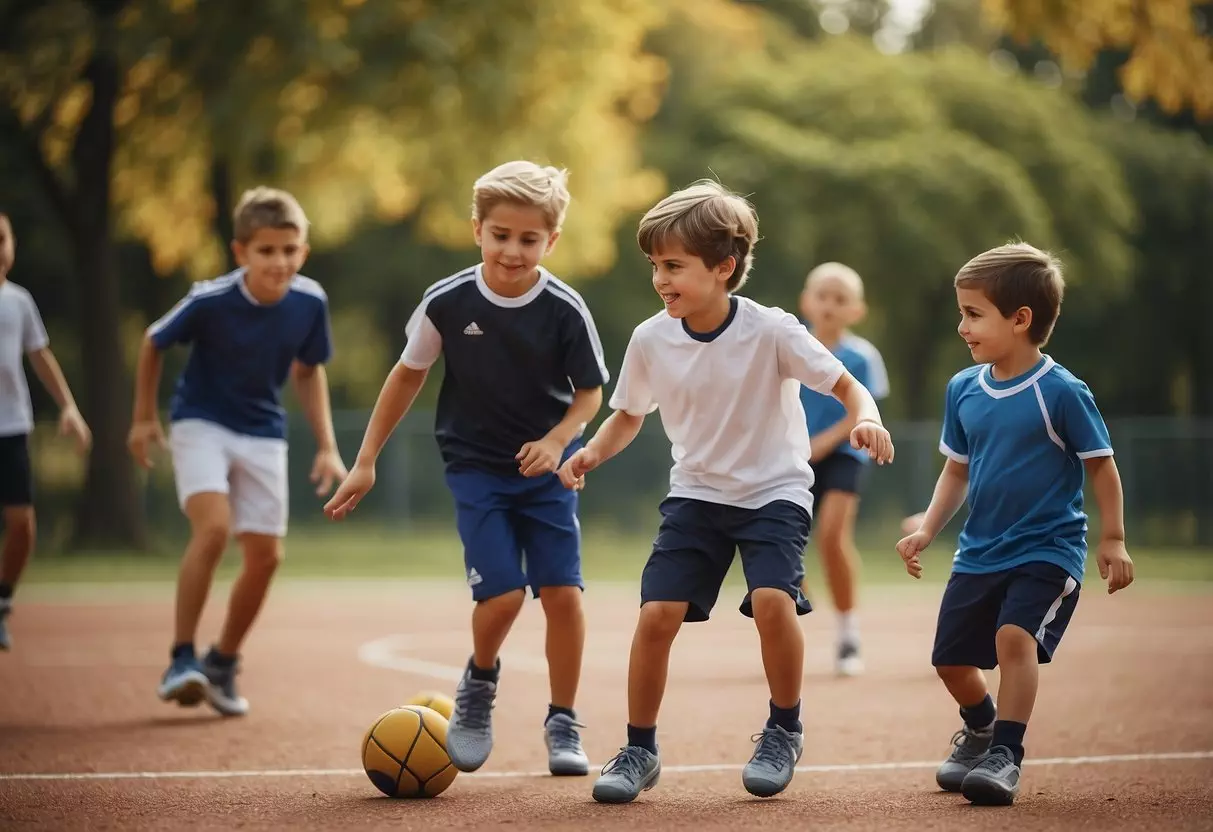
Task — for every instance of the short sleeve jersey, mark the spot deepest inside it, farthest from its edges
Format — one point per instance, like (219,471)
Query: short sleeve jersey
(729,401)
(1024,440)
(21,332)
(863,361)
(512,365)
(241,351)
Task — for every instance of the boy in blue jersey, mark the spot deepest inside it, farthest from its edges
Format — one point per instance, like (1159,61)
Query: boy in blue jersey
(832,302)
(1019,432)
(524,374)
(248,331)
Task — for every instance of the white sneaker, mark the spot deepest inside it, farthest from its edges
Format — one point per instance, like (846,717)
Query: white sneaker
(848,662)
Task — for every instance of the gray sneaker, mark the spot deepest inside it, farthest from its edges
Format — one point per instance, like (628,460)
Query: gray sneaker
(632,771)
(969,745)
(469,734)
(770,770)
(221,687)
(6,606)
(565,755)
(994,781)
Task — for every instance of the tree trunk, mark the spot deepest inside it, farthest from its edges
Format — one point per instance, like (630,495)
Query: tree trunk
(221,193)
(109,513)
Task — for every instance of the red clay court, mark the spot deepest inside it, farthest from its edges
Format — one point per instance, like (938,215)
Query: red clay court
(1122,737)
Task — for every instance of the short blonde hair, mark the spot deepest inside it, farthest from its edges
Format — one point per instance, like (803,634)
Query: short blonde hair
(1017,275)
(710,222)
(523,183)
(839,271)
(263,207)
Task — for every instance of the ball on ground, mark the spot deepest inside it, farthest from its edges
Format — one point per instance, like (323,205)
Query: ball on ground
(404,753)
(440,702)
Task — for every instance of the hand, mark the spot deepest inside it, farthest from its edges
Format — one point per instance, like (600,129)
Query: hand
(1115,565)
(539,457)
(327,469)
(572,473)
(353,488)
(873,437)
(143,438)
(909,548)
(71,423)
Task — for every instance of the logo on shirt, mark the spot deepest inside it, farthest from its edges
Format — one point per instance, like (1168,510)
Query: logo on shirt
(474,576)
(473,329)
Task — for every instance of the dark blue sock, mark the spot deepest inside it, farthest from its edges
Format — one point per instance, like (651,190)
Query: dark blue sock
(556,709)
(646,738)
(221,660)
(184,650)
(6,590)
(979,716)
(1010,734)
(482,675)
(786,718)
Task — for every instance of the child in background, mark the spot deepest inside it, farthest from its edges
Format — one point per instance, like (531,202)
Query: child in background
(1019,433)
(248,331)
(725,372)
(22,333)
(832,302)
(524,374)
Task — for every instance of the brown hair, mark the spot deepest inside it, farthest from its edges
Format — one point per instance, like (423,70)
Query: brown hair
(1017,275)
(267,208)
(710,222)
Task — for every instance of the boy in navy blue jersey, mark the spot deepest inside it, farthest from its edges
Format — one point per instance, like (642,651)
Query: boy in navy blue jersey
(524,374)
(832,302)
(1019,431)
(248,331)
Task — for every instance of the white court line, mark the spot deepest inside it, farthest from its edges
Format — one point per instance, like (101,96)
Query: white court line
(388,653)
(839,768)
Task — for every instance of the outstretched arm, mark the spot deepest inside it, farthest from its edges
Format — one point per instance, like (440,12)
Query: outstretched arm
(47,368)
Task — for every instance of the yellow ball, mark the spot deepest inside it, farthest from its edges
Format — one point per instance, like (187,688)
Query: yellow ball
(404,753)
(440,702)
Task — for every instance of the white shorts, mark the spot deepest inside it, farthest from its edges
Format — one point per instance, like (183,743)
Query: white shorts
(251,470)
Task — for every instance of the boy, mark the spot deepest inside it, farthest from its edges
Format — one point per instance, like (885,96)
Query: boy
(725,372)
(22,333)
(832,302)
(1018,432)
(248,331)
(524,374)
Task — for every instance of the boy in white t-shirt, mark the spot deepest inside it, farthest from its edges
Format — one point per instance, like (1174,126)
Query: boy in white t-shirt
(726,374)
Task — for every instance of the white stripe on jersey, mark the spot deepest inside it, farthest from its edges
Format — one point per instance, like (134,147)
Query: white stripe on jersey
(201,289)
(566,292)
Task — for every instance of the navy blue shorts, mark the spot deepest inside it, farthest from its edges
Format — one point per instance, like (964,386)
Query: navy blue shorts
(837,472)
(16,478)
(517,531)
(696,543)
(1038,597)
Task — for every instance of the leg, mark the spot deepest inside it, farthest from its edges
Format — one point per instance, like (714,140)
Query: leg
(772,540)
(834,528)
(1040,599)
(210,526)
(493,565)
(565,641)
(262,556)
(964,645)
(17,500)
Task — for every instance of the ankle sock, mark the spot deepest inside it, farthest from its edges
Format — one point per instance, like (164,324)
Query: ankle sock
(1010,735)
(981,716)
(646,738)
(786,718)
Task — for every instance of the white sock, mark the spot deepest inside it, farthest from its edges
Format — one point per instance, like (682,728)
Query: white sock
(848,628)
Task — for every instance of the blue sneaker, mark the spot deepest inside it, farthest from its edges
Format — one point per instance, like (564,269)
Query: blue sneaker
(221,686)
(183,682)
(994,781)
(469,733)
(969,746)
(771,768)
(632,771)
(6,606)
(566,758)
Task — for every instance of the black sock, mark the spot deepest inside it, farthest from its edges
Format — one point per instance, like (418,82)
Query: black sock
(6,590)
(786,718)
(646,738)
(482,675)
(979,716)
(184,650)
(220,659)
(1010,735)
(556,709)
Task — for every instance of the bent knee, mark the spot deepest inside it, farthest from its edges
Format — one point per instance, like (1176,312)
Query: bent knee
(1014,644)
(560,601)
(262,553)
(660,620)
(770,603)
(19,521)
(954,672)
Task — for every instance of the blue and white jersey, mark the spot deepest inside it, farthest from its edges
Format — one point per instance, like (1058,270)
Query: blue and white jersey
(862,360)
(242,350)
(1024,441)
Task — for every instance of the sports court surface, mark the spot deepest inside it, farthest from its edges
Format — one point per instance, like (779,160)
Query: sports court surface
(1122,737)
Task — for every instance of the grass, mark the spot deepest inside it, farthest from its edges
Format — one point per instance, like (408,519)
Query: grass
(609,554)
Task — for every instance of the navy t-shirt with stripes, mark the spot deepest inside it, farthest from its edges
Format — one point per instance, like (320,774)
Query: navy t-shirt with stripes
(241,351)
(512,364)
